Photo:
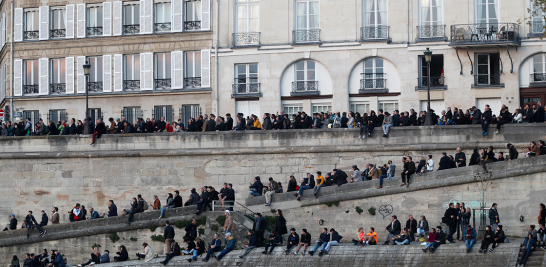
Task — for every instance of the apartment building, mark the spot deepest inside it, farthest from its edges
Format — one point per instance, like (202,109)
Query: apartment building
(336,55)
(149,58)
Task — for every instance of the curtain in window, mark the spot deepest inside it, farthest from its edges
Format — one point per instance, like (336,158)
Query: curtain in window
(313,15)
(301,15)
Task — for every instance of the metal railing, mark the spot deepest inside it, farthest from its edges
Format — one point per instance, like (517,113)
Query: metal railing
(484,33)
(192,25)
(537,27)
(374,32)
(162,27)
(31,89)
(431,31)
(487,79)
(435,82)
(57,88)
(95,87)
(538,78)
(94,31)
(373,84)
(246,38)
(246,88)
(58,33)
(306,36)
(131,84)
(162,83)
(304,86)
(192,82)
(31,35)
(131,29)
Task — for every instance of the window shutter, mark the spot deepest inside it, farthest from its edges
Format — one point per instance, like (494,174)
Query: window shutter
(205,15)
(69,75)
(177,19)
(107,19)
(81,76)
(118,73)
(4,29)
(205,68)
(107,76)
(69,21)
(146,71)
(82,26)
(177,75)
(44,76)
(146,17)
(18,77)
(117,14)
(142,17)
(44,22)
(18,25)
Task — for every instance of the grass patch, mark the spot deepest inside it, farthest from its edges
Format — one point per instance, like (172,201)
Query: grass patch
(333,203)
(221,219)
(158,238)
(359,210)
(134,239)
(95,246)
(371,211)
(273,211)
(152,228)
(114,237)
(214,227)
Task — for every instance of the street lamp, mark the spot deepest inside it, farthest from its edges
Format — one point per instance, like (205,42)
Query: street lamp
(86,69)
(428,116)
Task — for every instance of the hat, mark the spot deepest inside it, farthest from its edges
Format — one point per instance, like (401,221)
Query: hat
(354,167)
(13,215)
(117,119)
(228,212)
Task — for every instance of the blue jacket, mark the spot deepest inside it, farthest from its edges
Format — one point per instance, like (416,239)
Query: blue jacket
(276,240)
(324,237)
(336,236)
(72,129)
(217,244)
(258,186)
(112,211)
(230,243)
(59,260)
(104,258)
(94,215)
(474,234)
(253,241)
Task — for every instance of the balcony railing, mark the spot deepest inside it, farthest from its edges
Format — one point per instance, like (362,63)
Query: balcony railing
(162,84)
(57,88)
(192,25)
(487,80)
(538,78)
(378,32)
(192,82)
(246,87)
(536,28)
(58,33)
(431,32)
(246,38)
(131,85)
(468,34)
(162,27)
(305,88)
(131,29)
(435,83)
(95,87)
(94,31)
(306,36)
(31,89)
(31,35)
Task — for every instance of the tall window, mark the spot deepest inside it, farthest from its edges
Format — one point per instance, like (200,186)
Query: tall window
(58,22)
(162,70)
(192,69)
(192,18)
(56,115)
(436,71)
(131,18)
(189,111)
(162,17)
(31,77)
(163,111)
(94,113)
(132,113)
(305,70)
(539,68)
(248,16)
(537,19)
(246,78)
(487,69)
(360,107)
(307,21)
(388,106)
(131,72)
(431,19)
(290,110)
(95,74)
(487,12)
(32,24)
(58,76)
(373,74)
(375,19)
(94,20)
(33,115)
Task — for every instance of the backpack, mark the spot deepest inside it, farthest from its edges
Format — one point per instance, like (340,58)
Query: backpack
(145,206)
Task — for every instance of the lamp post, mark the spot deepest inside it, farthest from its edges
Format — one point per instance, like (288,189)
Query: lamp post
(86,69)
(428,115)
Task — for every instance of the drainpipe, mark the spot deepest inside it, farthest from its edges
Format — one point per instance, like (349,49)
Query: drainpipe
(217,58)
(408,21)
(12,75)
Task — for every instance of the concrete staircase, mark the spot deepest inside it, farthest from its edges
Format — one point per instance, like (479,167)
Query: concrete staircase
(536,258)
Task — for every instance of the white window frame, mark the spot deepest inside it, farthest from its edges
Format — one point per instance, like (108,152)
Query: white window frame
(131,4)
(355,104)
(291,109)
(307,15)
(35,20)
(247,4)
(537,18)
(52,11)
(248,76)
(487,17)
(318,108)
(431,23)
(96,17)
(167,74)
(133,73)
(381,105)
(57,72)
(99,75)
(375,74)
(166,15)
(194,70)
(305,71)
(376,11)
(196,15)
(33,68)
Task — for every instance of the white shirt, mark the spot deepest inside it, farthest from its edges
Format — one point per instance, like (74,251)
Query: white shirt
(430,165)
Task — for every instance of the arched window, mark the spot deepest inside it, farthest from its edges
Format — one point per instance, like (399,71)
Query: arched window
(373,76)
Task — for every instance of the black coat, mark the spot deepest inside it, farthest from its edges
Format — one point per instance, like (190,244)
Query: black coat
(293,239)
(280,226)
(177,201)
(450,212)
(13,224)
(474,159)
(445,163)
(229,124)
(168,232)
(340,177)
(292,186)
(100,129)
(539,115)
(394,229)
(306,238)
(460,159)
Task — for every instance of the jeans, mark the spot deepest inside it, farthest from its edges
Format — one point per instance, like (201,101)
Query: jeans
(429,244)
(526,251)
(541,237)
(381,179)
(405,242)
(494,226)
(210,252)
(29,227)
(363,130)
(268,195)
(168,258)
(163,211)
(485,125)
(463,227)
(270,245)
(330,244)
(370,129)
(254,193)
(141,256)
(224,252)
(420,231)
(458,226)
(203,205)
(469,243)
(317,188)
(452,231)
(194,256)
(317,245)
(300,192)
(350,126)
(386,128)
(247,250)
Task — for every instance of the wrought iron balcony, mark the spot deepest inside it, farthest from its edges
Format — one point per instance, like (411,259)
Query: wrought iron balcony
(192,82)
(487,80)
(485,34)
(537,28)
(31,35)
(431,33)
(131,29)
(306,36)
(537,79)
(246,87)
(31,89)
(57,88)
(305,88)
(131,85)
(192,25)
(94,31)
(435,83)
(96,87)
(372,33)
(58,33)
(246,38)
(162,84)
(373,83)
(162,27)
